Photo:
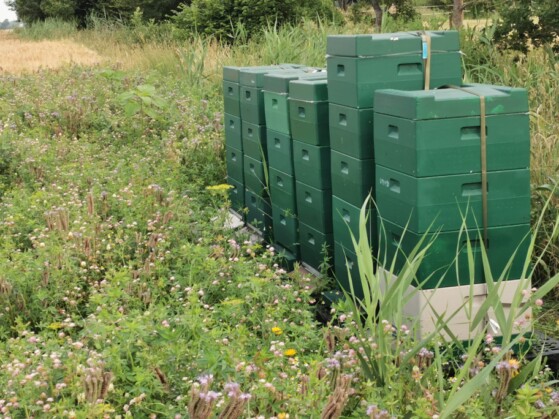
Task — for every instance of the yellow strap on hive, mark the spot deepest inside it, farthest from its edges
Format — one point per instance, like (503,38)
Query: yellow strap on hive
(483,149)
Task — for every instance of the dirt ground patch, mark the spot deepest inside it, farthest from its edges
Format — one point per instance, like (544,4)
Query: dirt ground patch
(27,56)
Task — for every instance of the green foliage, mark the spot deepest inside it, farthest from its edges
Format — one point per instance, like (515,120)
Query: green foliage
(526,23)
(219,18)
(30,11)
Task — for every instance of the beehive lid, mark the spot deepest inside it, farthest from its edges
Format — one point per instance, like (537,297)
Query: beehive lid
(232,73)
(312,90)
(278,82)
(254,76)
(451,102)
(390,43)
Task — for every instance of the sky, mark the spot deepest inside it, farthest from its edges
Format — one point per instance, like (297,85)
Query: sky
(6,13)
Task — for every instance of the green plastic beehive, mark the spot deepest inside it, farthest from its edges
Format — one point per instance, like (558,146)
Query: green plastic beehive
(309,122)
(279,82)
(255,176)
(312,244)
(310,90)
(345,222)
(312,164)
(276,93)
(232,127)
(254,76)
(444,247)
(390,43)
(236,194)
(452,103)
(346,270)
(254,141)
(280,151)
(259,212)
(351,131)
(231,73)
(252,105)
(286,229)
(442,201)
(231,98)
(282,190)
(437,147)
(352,179)
(314,207)
(234,161)
(353,81)
(276,109)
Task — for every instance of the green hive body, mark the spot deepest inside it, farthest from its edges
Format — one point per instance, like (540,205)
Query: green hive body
(428,178)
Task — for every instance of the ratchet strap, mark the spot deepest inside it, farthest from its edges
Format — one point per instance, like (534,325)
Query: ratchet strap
(426,56)
(483,150)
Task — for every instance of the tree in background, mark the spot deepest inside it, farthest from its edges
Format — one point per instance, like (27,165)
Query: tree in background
(30,11)
(457,14)
(526,23)
(27,10)
(220,18)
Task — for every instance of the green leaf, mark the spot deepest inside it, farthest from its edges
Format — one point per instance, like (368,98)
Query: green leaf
(132,108)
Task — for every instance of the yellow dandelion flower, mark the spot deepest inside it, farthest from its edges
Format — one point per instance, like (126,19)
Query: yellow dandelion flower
(283,415)
(514,363)
(277,331)
(290,352)
(515,366)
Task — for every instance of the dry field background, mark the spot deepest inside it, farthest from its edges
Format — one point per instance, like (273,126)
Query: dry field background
(27,56)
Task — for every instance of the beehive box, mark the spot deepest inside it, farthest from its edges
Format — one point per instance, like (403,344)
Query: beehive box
(444,202)
(352,179)
(345,222)
(286,229)
(351,131)
(312,164)
(314,207)
(312,245)
(255,176)
(276,94)
(280,151)
(457,307)
(358,65)
(438,132)
(254,141)
(346,270)
(282,190)
(396,43)
(232,87)
(234,161)
(232,128)
(353,81)
(446,261)
(308,111)
(236,194)
(251,96)
(259,213)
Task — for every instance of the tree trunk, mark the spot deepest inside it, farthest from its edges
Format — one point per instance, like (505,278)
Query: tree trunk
(378,15)
(458,14)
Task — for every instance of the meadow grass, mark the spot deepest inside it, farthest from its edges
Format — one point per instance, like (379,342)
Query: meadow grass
(25,56)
